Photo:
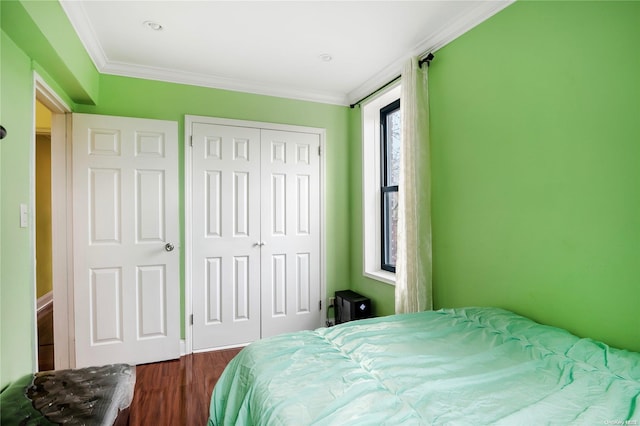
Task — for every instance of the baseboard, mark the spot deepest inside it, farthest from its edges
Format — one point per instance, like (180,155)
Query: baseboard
(44,301)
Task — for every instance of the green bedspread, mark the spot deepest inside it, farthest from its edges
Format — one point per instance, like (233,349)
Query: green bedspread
(473,366)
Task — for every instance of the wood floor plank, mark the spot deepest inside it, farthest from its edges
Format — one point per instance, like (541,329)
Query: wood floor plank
(45,339)
(177,392)
(166,393)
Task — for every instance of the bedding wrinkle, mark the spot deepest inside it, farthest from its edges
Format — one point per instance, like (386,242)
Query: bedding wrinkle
(555,341)
(634,407)
(468,366)
(365,365)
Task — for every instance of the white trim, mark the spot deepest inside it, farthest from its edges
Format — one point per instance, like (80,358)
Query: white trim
(191,119)
(81,23)
(188,195)
(70,283)
(44,301)
(371,227)
(382,276)
(223,83)
(482,11)
(61,223)
(188,229)
(323,227)
(32,228)
(77,15)
(222,348)
(48,97)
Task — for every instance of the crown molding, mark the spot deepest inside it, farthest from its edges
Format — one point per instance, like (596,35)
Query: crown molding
(222,83)
(82,25)
(450,31)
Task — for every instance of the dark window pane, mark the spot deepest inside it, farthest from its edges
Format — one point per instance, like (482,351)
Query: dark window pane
(390,138)
(393,148)
(390,227)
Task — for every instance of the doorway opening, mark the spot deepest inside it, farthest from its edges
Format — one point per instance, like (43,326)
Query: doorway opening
(51,201)
(44,277)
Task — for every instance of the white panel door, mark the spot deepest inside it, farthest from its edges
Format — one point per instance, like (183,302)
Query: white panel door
(125,226)
(290,231)
(225,235)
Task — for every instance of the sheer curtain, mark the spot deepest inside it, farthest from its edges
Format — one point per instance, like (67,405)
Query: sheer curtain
(413,262)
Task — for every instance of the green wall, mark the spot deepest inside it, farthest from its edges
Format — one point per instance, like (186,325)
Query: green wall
(44,33)
(534,149)
(17,298)
(167,101)
(535,132)
(36,36)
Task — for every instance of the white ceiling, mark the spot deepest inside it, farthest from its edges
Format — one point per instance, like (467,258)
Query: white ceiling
(271,47)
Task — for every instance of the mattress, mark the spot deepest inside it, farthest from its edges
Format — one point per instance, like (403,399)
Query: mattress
(470,366)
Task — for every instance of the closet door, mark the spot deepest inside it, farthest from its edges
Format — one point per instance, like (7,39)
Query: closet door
(225,235)
(290,227)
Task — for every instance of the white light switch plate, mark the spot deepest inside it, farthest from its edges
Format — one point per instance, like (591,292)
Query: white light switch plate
(24,216)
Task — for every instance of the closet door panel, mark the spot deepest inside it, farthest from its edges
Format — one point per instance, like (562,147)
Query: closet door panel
(290,259)
(255,261)
(226,235)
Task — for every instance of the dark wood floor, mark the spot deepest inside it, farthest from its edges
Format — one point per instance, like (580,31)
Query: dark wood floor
(166,393)
(45,339)
(177,392)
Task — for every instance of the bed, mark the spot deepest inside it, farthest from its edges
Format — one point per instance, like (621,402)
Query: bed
(472,366)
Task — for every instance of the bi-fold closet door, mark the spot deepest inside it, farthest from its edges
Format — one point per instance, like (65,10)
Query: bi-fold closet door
(255,257)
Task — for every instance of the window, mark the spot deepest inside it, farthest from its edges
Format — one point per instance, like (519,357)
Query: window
(380,167)
(390,131)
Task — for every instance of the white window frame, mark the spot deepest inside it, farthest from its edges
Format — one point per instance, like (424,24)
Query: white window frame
(371,180)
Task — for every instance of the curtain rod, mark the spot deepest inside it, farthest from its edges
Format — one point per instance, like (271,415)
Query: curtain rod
(427,59)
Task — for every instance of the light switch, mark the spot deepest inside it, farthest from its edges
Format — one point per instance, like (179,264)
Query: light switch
(24,216)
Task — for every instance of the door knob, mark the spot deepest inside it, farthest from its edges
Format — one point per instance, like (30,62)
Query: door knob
(169,247)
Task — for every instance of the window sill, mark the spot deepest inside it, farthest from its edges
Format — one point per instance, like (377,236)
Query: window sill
(382,276)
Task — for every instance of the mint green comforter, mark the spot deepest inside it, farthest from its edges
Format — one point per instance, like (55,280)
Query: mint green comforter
(473,366)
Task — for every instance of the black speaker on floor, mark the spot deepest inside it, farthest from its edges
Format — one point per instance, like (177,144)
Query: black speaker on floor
(350,306)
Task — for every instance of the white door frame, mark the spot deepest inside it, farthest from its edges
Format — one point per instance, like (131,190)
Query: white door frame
(61,221)
(188,208)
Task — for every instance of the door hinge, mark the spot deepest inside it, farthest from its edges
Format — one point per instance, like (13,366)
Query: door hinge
(320,303)
(319,150)
(191,140)
(191,319)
